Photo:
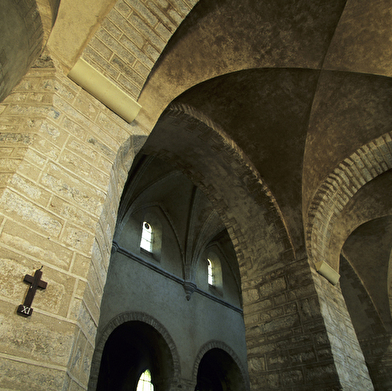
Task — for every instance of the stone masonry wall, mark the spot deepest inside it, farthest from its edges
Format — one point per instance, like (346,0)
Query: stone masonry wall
(347,353)
(58,173)
(131,38)
(378,353)
(288,348)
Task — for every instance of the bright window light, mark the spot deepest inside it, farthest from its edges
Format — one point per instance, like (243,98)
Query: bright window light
(145,383)
(147,233)
(210,273)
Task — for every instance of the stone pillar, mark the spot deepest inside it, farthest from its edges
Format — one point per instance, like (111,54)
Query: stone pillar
(62,171)
(378,353)
(294,333)
(347,353)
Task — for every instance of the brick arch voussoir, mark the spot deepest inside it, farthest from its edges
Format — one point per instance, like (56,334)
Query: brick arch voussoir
(365,164)
(139,48)
(222,346)
(220,143)
(118,321)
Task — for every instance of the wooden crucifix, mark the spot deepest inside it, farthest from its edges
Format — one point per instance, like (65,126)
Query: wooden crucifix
(36,282)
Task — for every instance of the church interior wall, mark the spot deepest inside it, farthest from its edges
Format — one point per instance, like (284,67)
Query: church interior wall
(285,131)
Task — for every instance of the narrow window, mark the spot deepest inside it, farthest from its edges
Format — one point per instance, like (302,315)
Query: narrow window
(210,273)
(145,383)
(146,242)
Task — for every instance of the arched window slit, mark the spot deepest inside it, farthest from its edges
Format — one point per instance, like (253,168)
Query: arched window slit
(147,237)
(145,383)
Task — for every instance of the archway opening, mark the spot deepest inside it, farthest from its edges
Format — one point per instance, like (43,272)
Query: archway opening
(218,372)
(130,350)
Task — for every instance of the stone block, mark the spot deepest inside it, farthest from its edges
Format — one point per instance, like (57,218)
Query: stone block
(127,29)
(92,302)
(86,364)
(141,69)
(277,360)
(143,11)
(302,355)
(35,246)
(273,288)
(256,364)
(74,309)
(72,214)
(134,50)
(81,149)
(30,190)
(152,52)
(81,265)
(36,158)
(29,170)
(284,322)
(53,133)
(87,324)
(74,386)
(101,48)
(75,362)
(73,189)
(29,214)
(105,165)
(147,32)
(5,179)
(78,238)
(39,338)
(321,374)
(73,128)
(9,165)
(260,350)
(111,28)
(250,296)
(46,148)
(122,7)
(101,148)
(83,169)
(83,122)
(18,375)
(175,16)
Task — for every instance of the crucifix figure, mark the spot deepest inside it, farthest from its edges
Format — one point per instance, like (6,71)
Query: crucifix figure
(36,282)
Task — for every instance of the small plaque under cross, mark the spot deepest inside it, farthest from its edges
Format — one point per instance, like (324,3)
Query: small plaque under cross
(36,282)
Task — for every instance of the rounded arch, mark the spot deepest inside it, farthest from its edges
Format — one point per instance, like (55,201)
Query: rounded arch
(25,27)
(245,181)
(331,198)
(227,363)
(145,329)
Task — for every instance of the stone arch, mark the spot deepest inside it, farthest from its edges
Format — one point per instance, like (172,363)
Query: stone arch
(269,267)
(140,47)
(368,162)
(222,346)
(24,29)
(244,171)
(120,320)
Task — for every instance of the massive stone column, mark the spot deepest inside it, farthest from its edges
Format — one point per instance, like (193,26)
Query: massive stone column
(64,161)
(299,333)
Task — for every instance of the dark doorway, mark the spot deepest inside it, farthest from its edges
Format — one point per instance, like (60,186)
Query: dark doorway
(132,348)
(219,372)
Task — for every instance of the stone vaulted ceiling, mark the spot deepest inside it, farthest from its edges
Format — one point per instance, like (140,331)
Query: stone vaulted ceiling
(295,102)
(302,88)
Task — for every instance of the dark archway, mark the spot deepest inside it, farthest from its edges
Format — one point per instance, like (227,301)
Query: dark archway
(218,372)
(132,348)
